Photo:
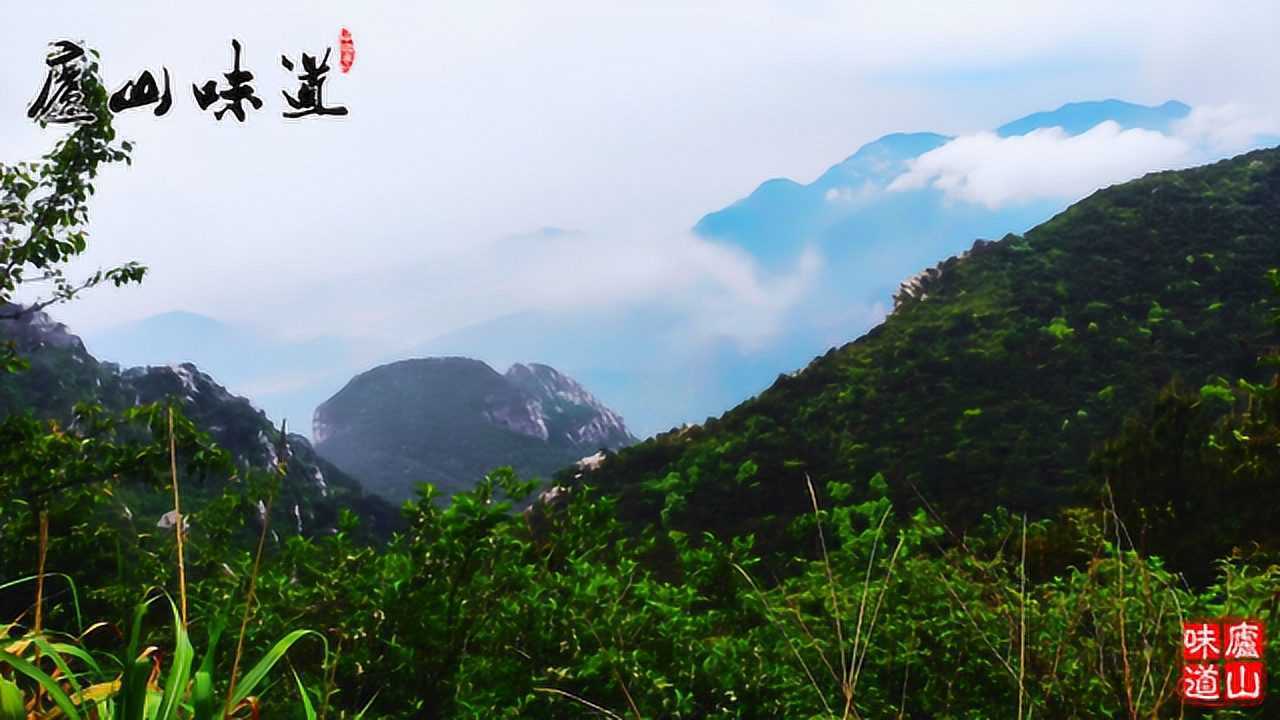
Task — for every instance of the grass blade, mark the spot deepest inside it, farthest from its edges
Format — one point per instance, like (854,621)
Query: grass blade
(210,653)
(180,672)
(135,633)
(133,689)
(77,653)
(365,709)
(58,661)
(49,685)
(202,696)
(251,679)
(306,700)
(11,706)
(71,585)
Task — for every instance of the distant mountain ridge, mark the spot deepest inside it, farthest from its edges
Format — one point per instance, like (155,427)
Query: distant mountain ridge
(64,373)
(448,420)
(847,201)
(284,377)
(1079,117)
(772,222)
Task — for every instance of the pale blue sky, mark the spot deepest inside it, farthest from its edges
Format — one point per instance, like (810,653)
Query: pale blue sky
(478,121)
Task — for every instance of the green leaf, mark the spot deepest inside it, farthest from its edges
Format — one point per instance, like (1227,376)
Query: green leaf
(48,684)
(133,689)
(306,699)
(251,679)
(175,684)
(202,696)
(11,705)
(58,661)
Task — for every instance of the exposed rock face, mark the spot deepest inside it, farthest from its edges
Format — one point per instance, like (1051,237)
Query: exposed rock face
(447,421)
(917,286)
(63,373)
(566,410)
(36,330)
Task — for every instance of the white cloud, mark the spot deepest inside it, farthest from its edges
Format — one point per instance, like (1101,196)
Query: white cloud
(734,301)
(854,196)
(995,171)
(718,291)
(1226,129)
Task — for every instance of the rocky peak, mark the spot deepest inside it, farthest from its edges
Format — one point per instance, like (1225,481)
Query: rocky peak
(547,383)
(33,330)
(449,420)
(569,410)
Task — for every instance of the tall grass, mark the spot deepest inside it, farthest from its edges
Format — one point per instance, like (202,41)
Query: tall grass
(1018,627)
(281,470)
(58,675)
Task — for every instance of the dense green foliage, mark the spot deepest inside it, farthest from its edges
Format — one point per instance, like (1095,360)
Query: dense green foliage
(475,611)
(66,470)
(994,387)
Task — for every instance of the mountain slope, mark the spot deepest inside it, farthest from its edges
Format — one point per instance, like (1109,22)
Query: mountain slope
(449,420)
(285,378)
(63,373)
(998,372)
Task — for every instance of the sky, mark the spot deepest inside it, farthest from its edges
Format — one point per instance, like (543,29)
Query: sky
(473,125)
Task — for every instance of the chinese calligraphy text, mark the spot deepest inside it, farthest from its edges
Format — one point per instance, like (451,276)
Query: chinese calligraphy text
(61,99)
(1223,662)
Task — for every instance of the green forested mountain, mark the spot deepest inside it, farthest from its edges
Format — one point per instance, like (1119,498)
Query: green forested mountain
(998,372)
(62,373)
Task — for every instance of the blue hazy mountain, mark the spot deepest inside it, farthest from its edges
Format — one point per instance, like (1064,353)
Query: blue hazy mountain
(846,211)
(782,209)
(1076,118)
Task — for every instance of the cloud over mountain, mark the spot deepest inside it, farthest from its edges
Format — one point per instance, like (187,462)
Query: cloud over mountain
(996,170)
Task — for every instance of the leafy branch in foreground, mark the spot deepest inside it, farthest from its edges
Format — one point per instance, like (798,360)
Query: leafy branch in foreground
(44,205)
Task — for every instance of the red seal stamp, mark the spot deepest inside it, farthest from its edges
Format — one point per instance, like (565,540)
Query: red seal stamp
(1222,662)
(346,50)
